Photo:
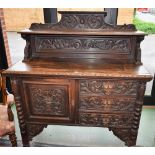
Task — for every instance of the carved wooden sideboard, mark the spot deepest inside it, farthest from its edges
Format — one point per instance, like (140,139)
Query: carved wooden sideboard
(81,71)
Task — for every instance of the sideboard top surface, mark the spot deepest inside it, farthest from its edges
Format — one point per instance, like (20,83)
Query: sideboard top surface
(72,69)
(83,32)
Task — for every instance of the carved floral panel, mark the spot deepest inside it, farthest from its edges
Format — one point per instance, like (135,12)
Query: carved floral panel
(108,87)
(49,100)
(105,120)
(107,104)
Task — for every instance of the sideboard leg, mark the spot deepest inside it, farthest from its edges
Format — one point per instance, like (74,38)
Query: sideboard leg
(20,112)
(26,142)
(125,135)
(25,138)
(130,143)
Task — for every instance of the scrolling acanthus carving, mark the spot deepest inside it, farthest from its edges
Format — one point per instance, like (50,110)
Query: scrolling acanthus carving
(106,87)
(103,120)
(107,104)
(113,45)
(82,20)
(48,101)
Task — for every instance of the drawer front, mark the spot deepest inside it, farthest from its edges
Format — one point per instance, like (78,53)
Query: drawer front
(48,99)
(106,120)
(108,87)
(106,104)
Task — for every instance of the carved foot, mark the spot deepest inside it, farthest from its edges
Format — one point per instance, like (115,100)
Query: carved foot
(130,143)
(125,135)
(31,131)
(25,139)
(26,143)
(34,129)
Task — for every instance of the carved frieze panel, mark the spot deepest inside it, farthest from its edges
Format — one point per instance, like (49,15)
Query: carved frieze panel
(107,104)
(110,45)
(106,120)
(108,87)
(48,100)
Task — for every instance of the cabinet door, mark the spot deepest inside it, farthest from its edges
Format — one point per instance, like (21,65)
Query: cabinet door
(49,100)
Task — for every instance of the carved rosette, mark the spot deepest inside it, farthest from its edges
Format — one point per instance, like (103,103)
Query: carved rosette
(106,87)
(84,21)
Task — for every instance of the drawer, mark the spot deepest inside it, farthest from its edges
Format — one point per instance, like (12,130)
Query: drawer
(107,104)
(48,100)
(106,120)
(108,87)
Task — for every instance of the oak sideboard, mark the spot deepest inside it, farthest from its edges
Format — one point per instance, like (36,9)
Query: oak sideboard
(80,71)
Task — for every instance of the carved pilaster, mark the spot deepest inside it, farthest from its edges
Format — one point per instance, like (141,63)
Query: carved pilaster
(137,111)
(129,135)
(34,129)
(20,112)
(18,102)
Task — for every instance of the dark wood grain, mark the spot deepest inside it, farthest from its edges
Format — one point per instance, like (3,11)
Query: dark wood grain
(104,48)
(80,70)
(82,20)
(83,72)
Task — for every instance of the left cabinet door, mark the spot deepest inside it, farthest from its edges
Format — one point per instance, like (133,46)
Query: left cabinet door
(48,100)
